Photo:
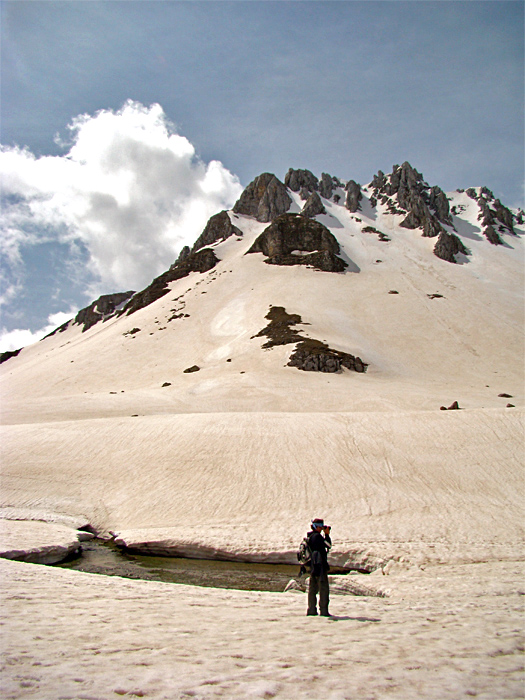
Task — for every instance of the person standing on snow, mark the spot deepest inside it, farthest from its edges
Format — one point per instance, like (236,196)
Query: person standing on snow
(320,544)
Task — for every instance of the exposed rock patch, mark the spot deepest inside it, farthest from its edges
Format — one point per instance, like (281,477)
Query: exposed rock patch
(492,215)
(310,355)
(4,356)
(279,331)
(353,196)
(427,207)
(448,245)
(315,356)
(298,180)
(201,261)
(218,228)
(265,199)
(313,206)
(290,238)
(101,309)
(327,185)
(193,368)
(452,407)
(382,236)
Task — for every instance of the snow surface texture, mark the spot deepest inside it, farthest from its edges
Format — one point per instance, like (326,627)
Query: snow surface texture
(232,459)
(445,633)
(106,425)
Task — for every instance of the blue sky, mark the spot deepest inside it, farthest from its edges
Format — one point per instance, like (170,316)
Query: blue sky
(242,87)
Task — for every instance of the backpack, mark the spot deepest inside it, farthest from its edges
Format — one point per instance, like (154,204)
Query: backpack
(304,555)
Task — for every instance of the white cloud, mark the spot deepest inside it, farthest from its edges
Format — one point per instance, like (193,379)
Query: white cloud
(21,337)
(129,188)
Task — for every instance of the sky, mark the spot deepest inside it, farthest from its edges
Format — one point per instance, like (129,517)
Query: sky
(125,124)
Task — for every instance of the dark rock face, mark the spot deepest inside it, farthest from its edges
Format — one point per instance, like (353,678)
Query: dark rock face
(453,407)
(327,185)
(218,228)
(101,309)
(492,214)
(313,206)
(304,193)
(185,251)
(297,179)
(315,356)
(293,232)
(201,261)
(4,356)
(265,199)
(438,201)
(426,206)
(310,355)
(447,247)
(353,196)
(321,260)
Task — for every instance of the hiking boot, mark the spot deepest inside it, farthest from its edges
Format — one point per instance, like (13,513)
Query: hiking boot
(311,612)
(325,613)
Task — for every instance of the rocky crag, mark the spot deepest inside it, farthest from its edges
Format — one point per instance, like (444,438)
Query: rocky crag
(310,355)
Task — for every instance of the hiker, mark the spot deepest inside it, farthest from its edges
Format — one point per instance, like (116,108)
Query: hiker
(320,545)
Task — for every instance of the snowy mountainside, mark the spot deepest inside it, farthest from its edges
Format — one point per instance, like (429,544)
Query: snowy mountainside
(293,363)
(426,330)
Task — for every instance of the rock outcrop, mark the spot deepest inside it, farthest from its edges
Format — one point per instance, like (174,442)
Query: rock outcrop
(448,245)
(310,355)
(265,199)
(327,185)
(218,228)
(289,239)
(298,180)
(313,206)
(492,215)
(353,196)
(101,309)
(315,356)
(8,354)
(427,207)
(201,261)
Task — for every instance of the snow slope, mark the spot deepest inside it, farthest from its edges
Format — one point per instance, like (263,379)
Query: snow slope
(107,425)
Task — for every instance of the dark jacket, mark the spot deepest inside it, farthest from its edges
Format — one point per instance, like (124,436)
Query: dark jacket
(320,544)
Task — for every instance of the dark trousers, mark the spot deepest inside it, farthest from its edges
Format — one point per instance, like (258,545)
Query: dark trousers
(318,584)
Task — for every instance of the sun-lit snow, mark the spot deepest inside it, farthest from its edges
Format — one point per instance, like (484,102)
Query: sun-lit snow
(232,461)
(106,424)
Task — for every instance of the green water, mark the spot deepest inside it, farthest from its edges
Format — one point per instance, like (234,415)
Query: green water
(104,558)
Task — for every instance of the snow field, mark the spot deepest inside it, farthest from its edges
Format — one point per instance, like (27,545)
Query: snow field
(446,633)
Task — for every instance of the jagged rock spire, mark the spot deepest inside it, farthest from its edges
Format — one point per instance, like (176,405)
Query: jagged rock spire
(265,198)
(298,180)
(492,214)
(313,206)
(427,207)
(218,228)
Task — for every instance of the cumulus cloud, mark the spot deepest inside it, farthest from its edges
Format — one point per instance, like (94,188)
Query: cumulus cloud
(129,189)
(20,338)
